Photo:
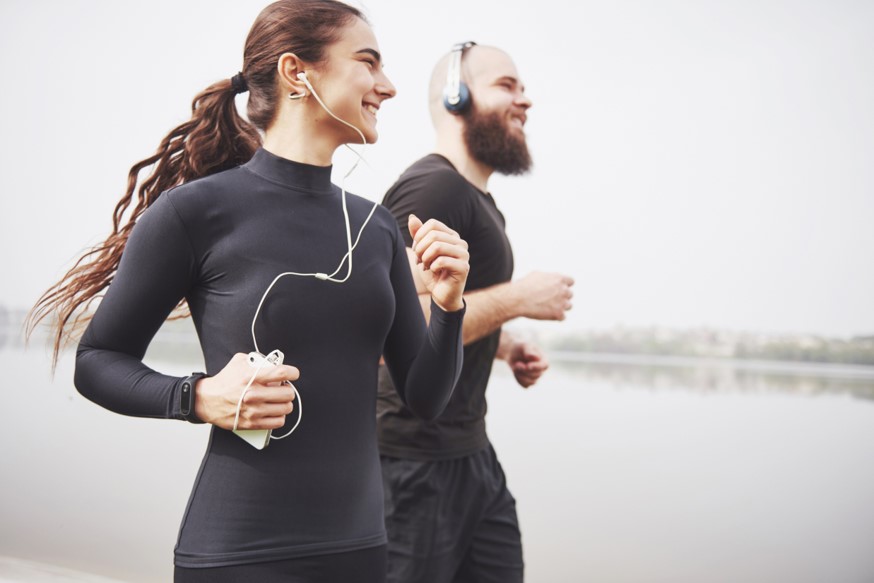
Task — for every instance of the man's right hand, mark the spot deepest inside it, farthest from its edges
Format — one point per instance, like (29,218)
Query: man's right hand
(545,296)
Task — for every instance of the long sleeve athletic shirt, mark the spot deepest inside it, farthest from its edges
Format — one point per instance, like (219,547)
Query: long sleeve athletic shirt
(218,242)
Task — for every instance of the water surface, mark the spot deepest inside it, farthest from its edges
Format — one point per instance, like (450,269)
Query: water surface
(631,471)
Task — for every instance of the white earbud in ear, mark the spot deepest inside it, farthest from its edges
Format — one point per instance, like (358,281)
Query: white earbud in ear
(295,96)
(303,77)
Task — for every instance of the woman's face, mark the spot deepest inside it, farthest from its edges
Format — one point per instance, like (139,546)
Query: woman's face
(352,83)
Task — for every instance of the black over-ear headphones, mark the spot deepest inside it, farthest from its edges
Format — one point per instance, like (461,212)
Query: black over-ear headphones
(456,95)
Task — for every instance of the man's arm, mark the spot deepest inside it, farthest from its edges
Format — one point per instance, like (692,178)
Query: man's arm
(538,295)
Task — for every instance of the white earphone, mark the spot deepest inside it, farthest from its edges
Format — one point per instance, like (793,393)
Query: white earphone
(319,275)
(303,77)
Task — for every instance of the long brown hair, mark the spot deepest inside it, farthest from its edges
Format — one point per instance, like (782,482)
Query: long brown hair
(216,138)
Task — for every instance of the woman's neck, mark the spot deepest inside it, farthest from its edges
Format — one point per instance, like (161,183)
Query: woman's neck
(300,148)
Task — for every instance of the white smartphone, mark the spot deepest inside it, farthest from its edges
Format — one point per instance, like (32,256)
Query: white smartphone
(260,438)
(257,438)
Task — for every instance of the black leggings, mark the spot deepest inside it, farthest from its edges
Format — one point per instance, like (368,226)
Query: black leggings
(364,566)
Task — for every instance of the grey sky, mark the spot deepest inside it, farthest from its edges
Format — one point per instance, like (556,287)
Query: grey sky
(697,163)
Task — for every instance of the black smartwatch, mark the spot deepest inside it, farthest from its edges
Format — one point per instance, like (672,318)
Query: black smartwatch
(186,397)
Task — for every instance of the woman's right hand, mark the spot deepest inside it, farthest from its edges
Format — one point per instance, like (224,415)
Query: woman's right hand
(443,261)
(268,401)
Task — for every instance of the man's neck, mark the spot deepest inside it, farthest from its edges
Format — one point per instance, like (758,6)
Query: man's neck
(473,171)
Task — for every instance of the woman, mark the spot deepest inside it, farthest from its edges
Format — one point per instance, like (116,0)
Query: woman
(249,240)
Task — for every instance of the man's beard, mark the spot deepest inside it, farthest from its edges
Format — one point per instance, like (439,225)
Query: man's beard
(492,143)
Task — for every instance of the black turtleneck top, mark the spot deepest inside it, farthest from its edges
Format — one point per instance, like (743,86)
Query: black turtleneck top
(218,242)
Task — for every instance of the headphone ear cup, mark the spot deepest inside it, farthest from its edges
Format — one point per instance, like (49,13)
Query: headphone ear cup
(462,100)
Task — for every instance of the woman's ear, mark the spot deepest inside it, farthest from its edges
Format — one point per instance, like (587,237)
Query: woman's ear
(288,67)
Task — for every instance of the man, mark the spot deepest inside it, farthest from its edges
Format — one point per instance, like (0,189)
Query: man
(449,514)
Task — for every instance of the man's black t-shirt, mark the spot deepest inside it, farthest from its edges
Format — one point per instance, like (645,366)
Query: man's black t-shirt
(433,188)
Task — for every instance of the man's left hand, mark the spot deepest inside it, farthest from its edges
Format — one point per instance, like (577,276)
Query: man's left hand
(527,362)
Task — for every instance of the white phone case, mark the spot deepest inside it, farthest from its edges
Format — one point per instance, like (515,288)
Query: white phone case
(260,438)
(257,438)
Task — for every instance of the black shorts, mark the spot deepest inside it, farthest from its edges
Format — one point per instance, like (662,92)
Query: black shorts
(451,521)
(365,566)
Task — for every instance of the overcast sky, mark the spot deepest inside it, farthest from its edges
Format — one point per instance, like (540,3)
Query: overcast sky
(696,162)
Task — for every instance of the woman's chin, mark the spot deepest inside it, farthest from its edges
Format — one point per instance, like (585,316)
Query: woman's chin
(370,134)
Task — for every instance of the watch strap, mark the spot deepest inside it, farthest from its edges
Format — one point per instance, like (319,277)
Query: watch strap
(186,397)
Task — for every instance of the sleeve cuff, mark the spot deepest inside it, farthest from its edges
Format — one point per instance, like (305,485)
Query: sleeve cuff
(448,316)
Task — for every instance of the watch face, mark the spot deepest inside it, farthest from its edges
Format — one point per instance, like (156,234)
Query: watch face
(185,405)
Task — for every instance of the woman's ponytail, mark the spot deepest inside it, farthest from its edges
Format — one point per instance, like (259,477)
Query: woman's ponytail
(216,138)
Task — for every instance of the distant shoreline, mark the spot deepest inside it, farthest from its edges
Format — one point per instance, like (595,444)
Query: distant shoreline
(798,368)
(719,345)
(620,345)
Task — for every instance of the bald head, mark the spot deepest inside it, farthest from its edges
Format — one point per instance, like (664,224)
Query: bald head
(479,65)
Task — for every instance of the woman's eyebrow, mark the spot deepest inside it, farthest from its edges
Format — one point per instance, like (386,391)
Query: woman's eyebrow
(375,53)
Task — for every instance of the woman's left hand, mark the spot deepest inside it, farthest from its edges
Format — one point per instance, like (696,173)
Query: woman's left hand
(442,259)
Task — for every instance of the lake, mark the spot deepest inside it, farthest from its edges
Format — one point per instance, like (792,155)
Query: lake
(625,470)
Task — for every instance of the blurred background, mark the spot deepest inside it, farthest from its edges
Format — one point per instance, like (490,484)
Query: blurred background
(702,169)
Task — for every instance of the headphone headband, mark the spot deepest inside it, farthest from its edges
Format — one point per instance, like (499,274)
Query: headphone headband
(456,96)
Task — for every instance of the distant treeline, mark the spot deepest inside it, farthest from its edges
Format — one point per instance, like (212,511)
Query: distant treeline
(858,350)
(716,343)
(698,342)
